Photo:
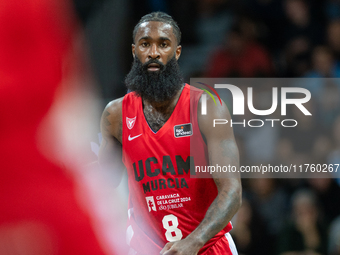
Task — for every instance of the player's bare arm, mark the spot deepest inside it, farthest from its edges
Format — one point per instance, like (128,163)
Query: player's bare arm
(110,152)
(222,150)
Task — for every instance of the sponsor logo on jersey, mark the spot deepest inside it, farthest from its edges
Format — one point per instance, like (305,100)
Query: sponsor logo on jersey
(130,122)
(130,138)
(151,203)
(183,130)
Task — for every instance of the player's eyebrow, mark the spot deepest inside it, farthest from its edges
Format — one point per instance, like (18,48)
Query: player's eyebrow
(145,38)
(162,38)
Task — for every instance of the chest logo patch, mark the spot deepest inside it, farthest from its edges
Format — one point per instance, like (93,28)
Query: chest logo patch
(183,130)
(130,122)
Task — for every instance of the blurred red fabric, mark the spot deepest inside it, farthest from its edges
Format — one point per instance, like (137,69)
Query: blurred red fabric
(37,196)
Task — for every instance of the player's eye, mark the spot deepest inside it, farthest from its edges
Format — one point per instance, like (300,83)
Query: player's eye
(145,44)
(164,45)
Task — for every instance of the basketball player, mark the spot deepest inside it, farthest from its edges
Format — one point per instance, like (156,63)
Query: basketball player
(170,212)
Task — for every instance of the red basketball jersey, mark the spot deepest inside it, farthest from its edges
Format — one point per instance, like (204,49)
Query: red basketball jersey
(165,204)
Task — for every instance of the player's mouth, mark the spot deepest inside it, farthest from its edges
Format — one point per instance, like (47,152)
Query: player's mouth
(153,67)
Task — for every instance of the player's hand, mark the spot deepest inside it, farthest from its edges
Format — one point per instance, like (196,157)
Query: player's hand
(182,247)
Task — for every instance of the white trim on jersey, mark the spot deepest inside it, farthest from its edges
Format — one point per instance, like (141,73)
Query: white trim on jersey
(231,244)
(132,252)
(130,212)
(129,234)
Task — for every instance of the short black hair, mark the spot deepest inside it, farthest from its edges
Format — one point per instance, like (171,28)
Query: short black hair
(161,17)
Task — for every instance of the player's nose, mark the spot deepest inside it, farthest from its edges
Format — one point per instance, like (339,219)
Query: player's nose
(154,52)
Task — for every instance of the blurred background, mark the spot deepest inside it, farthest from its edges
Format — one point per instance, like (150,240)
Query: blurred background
(220,38)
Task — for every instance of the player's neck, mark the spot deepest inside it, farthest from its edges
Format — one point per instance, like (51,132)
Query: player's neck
(165,106)
(157,114)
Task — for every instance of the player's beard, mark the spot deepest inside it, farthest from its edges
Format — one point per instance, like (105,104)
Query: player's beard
(155,86)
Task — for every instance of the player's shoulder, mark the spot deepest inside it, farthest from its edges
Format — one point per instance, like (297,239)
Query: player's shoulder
(210,100)
(114,107)
(192,89)
(213,107)
(198,92)
(113,110)
(111,120)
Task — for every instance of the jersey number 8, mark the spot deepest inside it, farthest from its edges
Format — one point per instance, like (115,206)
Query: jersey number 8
(172,228)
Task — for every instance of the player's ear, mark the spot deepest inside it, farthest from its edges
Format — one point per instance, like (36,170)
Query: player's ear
(178,51)
(133,50)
